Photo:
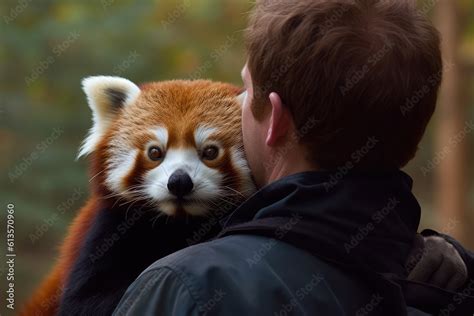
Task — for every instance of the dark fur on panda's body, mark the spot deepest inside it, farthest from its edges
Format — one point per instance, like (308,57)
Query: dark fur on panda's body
(99,278)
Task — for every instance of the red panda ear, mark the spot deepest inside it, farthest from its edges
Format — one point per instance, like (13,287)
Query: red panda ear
(105,95)
(108,94)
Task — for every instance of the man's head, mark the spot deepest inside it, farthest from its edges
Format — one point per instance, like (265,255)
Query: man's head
(338,82)
(270,142)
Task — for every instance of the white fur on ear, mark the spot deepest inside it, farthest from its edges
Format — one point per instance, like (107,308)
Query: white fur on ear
(106,96)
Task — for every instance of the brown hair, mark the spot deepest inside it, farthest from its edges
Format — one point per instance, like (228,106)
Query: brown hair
(360,77)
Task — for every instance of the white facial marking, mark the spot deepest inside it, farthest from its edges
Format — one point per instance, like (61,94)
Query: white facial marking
(202,133)
(161,134)
(240,164)
(119,166)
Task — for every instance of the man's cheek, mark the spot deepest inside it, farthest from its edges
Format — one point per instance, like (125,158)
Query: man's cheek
(242,98)
(246,134)
(247,131)
(245,118)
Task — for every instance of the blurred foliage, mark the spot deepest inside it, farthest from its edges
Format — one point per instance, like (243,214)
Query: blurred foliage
(48,46)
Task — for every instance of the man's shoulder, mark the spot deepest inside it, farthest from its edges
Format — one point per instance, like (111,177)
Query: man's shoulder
(238,273)
(225,266)
(209,278)
(226,254)
(237,257)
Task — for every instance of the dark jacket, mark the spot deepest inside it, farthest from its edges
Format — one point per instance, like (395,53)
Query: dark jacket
(361,220)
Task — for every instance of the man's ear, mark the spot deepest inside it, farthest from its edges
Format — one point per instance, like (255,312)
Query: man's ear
(106,96)
(280,120)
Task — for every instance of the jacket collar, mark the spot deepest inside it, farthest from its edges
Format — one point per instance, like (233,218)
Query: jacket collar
(372,216)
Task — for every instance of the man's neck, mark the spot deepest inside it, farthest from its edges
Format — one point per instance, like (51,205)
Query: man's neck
(288,166)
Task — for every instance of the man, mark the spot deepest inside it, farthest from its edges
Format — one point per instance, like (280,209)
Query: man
(326,129)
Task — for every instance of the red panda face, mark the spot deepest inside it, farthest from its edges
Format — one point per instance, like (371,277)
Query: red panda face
(174,145)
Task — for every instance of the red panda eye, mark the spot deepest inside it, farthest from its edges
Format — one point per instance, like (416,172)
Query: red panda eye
(155,153)
(210,152)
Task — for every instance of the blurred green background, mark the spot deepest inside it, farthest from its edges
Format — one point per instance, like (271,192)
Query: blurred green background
(47,47)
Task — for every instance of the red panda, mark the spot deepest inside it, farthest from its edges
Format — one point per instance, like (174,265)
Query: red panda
(164,157)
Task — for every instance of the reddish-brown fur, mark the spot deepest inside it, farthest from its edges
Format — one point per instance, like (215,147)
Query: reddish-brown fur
(175,103)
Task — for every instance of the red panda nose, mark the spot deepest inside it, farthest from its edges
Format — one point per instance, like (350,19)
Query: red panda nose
(180,183)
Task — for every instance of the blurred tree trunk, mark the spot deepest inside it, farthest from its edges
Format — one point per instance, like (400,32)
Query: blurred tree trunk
(451,189)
